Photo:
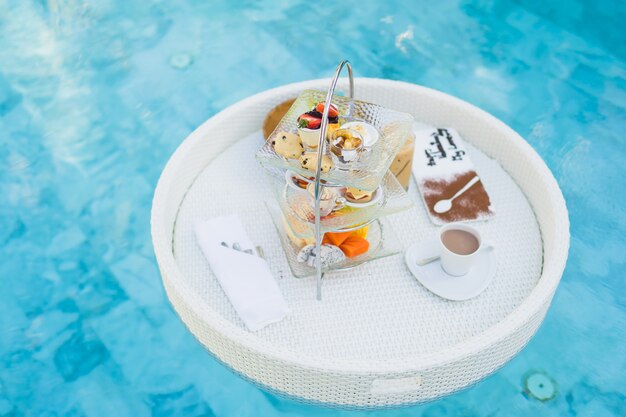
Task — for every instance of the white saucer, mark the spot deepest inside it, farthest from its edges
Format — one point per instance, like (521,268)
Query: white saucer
(437,281)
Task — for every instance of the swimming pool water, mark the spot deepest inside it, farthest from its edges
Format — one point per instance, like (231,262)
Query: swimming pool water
(95,96)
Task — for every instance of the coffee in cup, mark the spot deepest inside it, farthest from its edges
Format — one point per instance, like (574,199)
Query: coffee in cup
(460,245)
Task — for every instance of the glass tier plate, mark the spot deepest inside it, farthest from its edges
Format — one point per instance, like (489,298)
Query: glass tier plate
(366,173)
(383,242)
(296,205)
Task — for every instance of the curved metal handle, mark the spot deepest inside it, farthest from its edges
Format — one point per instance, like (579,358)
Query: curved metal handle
(318,172)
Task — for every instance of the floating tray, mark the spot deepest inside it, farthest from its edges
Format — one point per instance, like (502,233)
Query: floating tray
(378,338)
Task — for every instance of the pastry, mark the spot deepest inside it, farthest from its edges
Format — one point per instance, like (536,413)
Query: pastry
(330,255)
(308,161)
(368,132)
(356,195)
(330,130)
(346,144)
(288,145)
(347,139)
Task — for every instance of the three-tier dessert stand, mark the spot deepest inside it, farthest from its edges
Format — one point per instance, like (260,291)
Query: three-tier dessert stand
(372,174)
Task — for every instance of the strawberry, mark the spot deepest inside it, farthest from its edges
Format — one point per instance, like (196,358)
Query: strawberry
(332,112)
(308,121)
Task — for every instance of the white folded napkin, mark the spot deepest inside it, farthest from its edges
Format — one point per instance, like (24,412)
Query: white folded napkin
(246,279)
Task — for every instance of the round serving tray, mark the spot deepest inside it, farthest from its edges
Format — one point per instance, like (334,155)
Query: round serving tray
(377,338)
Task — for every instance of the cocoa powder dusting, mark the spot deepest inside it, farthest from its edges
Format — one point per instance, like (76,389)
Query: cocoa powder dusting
(471,205)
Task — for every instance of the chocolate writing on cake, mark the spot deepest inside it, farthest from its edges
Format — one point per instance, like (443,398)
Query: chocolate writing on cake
(442,145)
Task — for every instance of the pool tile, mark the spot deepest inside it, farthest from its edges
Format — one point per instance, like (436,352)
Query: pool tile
(104,393)
(584,398)
(125,331)
(136,274)
(186,402)
(80,354)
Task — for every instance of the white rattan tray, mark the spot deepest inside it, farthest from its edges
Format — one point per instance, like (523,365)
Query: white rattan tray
(378,338)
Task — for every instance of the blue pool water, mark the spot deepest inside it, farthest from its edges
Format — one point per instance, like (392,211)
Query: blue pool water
(95,95)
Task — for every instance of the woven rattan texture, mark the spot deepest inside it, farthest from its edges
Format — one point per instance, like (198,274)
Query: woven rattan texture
(333,378)
(375,311)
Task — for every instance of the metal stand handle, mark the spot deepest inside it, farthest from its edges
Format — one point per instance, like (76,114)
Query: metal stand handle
(320,153)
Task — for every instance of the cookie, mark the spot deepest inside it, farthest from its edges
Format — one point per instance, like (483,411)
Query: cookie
(309,162)
(288,145)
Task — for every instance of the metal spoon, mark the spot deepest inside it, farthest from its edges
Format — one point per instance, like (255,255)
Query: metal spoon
(443,206)
(426,261)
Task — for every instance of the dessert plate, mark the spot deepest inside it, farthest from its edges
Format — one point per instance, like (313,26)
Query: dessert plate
(393,129)
(291,179)
(381,236)
(295,204)
(436,280)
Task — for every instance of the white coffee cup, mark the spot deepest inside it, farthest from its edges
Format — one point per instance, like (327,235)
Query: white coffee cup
(458,256)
